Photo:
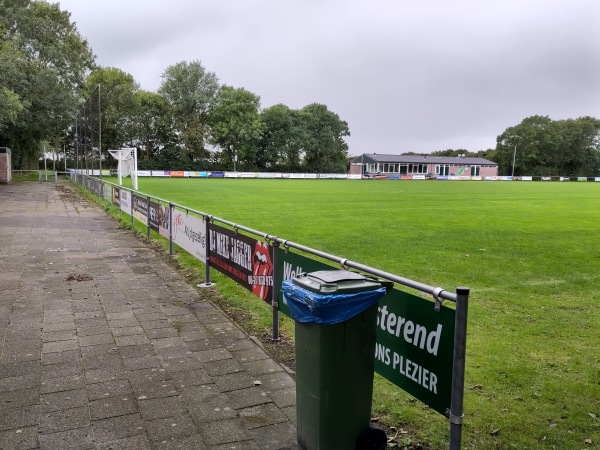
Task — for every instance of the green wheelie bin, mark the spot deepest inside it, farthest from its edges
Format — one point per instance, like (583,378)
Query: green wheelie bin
(335,314)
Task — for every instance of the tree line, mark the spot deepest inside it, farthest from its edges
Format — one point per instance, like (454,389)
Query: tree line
(49,75)
(540,146)
(191,122)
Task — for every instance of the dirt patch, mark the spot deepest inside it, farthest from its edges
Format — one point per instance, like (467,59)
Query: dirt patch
(66,194)
(79,277)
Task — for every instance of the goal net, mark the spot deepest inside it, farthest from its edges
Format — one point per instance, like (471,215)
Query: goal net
(127,158)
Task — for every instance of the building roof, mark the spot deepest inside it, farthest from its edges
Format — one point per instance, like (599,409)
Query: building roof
(420,159)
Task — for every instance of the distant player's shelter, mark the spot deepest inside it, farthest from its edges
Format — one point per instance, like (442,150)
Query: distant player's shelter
(5,165)
(417,166)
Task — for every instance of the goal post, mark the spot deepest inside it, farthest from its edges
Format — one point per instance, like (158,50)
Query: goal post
(127,158)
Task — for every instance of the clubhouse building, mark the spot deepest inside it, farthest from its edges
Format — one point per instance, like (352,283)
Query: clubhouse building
(419,166)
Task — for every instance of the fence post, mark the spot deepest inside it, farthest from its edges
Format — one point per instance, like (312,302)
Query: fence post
(275,292)
(131,206)
(458,367)
(148,217)
(170,229)
(207,281)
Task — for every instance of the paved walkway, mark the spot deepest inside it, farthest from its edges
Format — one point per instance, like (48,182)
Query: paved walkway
(105,346)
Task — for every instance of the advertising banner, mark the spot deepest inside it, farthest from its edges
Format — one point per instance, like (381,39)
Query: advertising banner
(597,179)
(140,208)
(415,344)
(216,174)
(546,178)
(243,259)
(144,173)
(189,232)
(415,347)
(177,173)
(161,173)
(581,178)
(153,217)
(526,178)
(418,177)
(164,221)
(125,201)
(356,176)
(115,195)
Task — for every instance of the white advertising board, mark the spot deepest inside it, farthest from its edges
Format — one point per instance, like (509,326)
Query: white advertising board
(189,232)
(125,201)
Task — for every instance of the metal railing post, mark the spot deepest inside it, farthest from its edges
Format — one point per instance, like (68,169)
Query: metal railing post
(131,206)
(458,367)
(148,217)
(275,292)
(170,229)
(207,281)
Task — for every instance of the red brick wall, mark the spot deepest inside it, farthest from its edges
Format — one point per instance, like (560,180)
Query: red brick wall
(4,167)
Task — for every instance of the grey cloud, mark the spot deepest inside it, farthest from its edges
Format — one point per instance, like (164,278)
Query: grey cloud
(407,76)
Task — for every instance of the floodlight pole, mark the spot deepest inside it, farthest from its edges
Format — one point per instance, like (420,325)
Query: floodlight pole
(514,158)
(99,131)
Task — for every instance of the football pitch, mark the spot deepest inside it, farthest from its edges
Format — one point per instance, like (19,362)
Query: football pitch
(529,252)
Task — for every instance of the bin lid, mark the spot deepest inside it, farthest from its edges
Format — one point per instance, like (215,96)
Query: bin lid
(335,282)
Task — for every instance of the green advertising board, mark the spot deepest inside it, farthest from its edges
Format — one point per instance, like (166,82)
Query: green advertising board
(415,346)
(415,343)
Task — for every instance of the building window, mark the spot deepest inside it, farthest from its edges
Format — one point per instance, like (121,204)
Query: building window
(417,168)
(442,170)
(403,169)
(475,171)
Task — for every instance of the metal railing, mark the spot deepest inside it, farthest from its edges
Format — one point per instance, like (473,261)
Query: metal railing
(460,297)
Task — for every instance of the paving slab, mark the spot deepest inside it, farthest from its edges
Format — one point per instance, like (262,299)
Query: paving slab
(106,346)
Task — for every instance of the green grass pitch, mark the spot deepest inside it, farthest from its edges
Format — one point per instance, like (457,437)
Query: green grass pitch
(529,252)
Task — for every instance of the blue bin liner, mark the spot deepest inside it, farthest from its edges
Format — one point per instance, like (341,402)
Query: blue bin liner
(327,309)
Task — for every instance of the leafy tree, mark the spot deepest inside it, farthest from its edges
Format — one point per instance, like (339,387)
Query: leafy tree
(190,90)
(541,146)
(324,147)
(47,61)
(11,103)
(236,126)
(450,152)
(119,106)
(280,146)
(153,123)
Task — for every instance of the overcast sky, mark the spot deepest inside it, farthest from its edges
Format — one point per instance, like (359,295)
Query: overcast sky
(407,75)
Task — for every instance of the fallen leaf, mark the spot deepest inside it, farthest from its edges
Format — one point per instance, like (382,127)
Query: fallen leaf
(588,442)
(257,382)
(495,432)
(592,415)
